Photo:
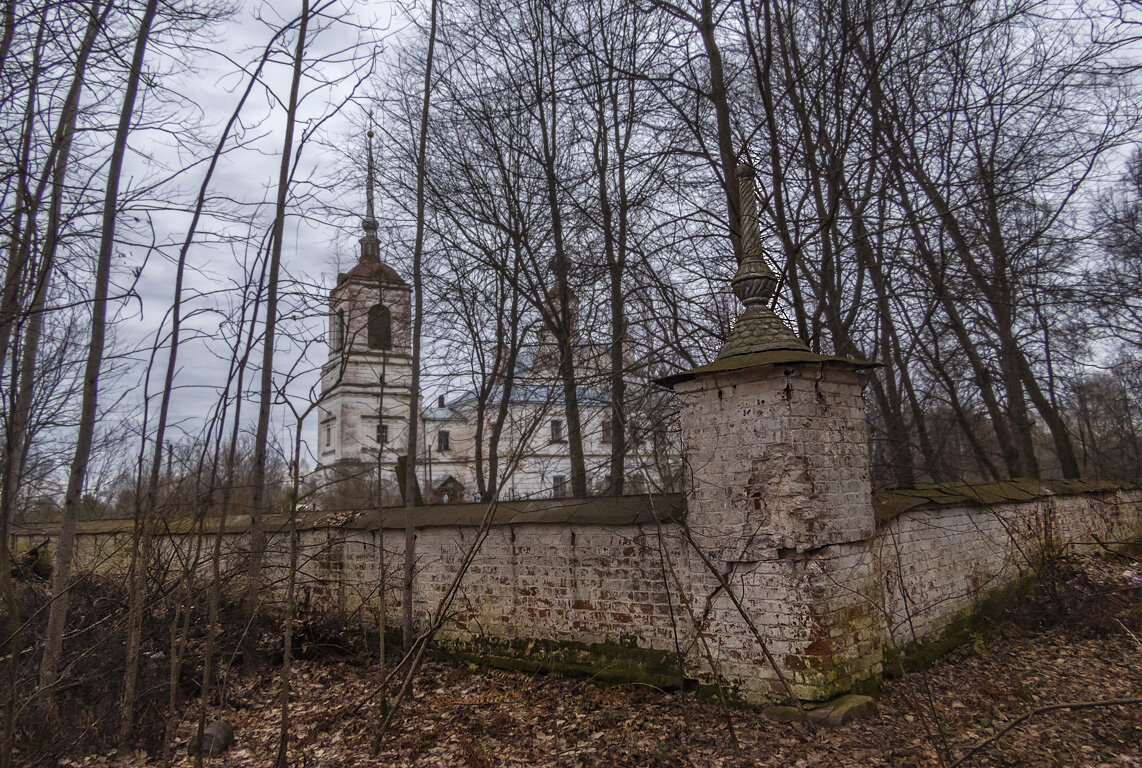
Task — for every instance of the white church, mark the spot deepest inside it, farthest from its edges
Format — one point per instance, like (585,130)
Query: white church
(366,385)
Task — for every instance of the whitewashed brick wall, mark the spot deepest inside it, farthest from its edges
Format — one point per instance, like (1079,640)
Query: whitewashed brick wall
(779,503)
(822,612)
(938,564)
(777,458)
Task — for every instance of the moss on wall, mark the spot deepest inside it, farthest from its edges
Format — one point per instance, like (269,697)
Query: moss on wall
(964,627)
(609,663)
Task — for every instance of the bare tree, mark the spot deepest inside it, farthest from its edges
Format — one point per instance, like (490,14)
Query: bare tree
(259,505)
(53,640)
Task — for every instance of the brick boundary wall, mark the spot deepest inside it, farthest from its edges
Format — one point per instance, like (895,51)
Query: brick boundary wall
(621,598)
(939,564)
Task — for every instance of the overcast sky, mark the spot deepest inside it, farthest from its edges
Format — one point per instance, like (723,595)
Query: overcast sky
(320,234)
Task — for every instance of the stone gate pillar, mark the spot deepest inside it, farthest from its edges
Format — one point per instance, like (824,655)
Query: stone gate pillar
(778,489)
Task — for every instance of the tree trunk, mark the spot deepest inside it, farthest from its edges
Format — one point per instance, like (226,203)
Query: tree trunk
(236,373)
(615,248)
(506,376)
(259,502)
(417,322)
(291,583)
(61,577)
(15,434)
(718,96)
(558,313)
(55,166)
(131,663)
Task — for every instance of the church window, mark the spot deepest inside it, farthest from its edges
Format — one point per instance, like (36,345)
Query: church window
(328,434)
(337,330)
(443,441)
(559,486)
(556,431)
(382,433)
(380,327)
(607,430)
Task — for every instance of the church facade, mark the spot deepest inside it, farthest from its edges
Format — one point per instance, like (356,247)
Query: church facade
(364,410)
(366,388)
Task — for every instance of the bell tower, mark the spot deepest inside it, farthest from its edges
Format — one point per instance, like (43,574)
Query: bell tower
(366,379)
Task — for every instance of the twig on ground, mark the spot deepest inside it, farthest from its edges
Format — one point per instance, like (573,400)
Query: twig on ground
(1038,711)
(1126,629)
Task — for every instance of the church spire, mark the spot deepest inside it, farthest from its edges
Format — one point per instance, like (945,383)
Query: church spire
(369,266)
(370,245)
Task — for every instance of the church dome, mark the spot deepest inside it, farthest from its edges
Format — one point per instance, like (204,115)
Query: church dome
(371,269)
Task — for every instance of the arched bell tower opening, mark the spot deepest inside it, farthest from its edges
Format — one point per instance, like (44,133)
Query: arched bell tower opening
(337,330)
(380,327)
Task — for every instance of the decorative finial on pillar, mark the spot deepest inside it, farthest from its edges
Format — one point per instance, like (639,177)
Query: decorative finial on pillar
(759,337)
(754,282)
(757,329)
(370,245)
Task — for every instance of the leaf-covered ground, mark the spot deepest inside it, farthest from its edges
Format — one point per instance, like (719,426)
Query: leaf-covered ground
(1079,640)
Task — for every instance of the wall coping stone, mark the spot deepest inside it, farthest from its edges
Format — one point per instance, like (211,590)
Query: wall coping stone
(772,357)
(635,509)
(889,503)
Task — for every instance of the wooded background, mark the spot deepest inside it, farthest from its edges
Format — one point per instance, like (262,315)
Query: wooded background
(948,189)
